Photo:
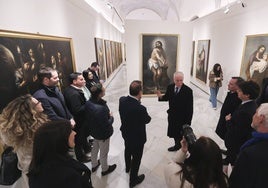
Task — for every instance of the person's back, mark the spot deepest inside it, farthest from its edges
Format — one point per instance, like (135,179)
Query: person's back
(251,166)
(51,165)
(202,168)
(133,118)
(251,170)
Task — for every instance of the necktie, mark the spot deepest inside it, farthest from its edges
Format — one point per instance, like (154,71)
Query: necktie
(176,90)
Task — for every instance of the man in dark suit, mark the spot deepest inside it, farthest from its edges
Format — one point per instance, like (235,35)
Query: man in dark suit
(75,101)
(239,123)
(51,98)
(229,105)
(133,116)
(180,112)
(251,167)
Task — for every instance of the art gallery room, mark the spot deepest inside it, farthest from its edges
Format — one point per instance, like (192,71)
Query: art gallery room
(121,36)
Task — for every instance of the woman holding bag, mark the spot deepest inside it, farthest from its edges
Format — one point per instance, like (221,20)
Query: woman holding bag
(18,122)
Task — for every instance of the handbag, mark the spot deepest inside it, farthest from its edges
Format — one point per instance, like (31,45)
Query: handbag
(9,172)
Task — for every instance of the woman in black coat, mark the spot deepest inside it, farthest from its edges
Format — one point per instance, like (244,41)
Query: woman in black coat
(51,165)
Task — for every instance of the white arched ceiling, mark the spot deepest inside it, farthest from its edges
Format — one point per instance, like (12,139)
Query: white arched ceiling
(175,10)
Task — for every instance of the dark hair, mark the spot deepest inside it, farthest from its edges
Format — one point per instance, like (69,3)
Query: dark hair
(50,144)
(73,76)
(216,71)
(204,166)
(159,42)
(85,74)
(250,88)
(94,64)
(238,79)
(135,87)
(45,72)
(96,90)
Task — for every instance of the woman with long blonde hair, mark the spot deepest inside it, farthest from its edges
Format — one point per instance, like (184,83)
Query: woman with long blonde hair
(18,123)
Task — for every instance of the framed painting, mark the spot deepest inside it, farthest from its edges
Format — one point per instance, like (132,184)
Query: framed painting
(254,58)
(202,57)
(23,54)
(192,59)
(159,61)
(108,55)
(99,49)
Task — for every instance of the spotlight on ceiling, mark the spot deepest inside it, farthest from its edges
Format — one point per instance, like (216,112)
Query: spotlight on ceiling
(227,10)
(109,5)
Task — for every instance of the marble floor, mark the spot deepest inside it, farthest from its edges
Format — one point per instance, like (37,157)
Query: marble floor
(155,155)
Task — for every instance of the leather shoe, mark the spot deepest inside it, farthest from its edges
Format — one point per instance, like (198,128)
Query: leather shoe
(96,167)
(137,181)
(174,148)
(110,169)
(85,159)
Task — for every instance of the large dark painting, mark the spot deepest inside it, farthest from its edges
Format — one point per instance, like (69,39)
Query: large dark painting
(254,60)
(159,61)
(99,48)
(21,57)
(202,58)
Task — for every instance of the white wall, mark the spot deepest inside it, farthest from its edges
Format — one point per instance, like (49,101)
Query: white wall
(134,30)
(227,34)
(66,18)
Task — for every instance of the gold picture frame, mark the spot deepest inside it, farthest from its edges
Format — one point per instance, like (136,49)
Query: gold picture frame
(255,57)
(23,54)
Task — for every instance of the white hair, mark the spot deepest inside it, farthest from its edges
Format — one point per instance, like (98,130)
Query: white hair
(263,110)
(178,73)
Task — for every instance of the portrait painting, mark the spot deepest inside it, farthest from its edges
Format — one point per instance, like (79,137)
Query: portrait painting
(202,57)
(21,57)
(99,49)
(192,59)
(159,61)
(254,59)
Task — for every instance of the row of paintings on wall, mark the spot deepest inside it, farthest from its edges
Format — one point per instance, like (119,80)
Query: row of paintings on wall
(254,65)
(23,54)
(108,55)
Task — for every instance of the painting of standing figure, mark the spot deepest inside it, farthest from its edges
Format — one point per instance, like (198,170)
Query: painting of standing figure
(255,58)
(202,58)
(159,61)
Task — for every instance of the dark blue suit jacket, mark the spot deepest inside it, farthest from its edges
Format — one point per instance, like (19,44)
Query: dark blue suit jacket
(53,103)
(133,116)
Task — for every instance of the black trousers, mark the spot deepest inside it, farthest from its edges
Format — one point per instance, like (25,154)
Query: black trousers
(133,155)
(81,143)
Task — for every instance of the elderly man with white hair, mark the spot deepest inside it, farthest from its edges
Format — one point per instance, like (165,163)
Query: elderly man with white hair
(251,167)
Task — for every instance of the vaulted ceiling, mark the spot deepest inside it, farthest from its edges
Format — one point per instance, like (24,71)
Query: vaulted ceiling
(174,10)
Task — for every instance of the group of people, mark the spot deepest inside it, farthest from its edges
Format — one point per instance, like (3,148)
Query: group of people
(43,127)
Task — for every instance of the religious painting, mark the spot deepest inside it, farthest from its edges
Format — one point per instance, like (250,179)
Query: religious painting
(192,59)
(108,55)
(159,61)
(202,57)
(254,58)
(21,57)
(99,48)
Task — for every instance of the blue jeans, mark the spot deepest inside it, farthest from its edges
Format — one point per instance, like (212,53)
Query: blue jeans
(213,96)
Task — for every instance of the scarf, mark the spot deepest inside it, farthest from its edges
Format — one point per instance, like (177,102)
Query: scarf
(256,137)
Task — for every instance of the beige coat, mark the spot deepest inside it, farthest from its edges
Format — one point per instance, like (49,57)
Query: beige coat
(212,79)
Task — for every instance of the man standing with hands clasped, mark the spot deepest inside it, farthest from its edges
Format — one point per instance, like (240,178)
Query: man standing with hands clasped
(133,116)
(180,112)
